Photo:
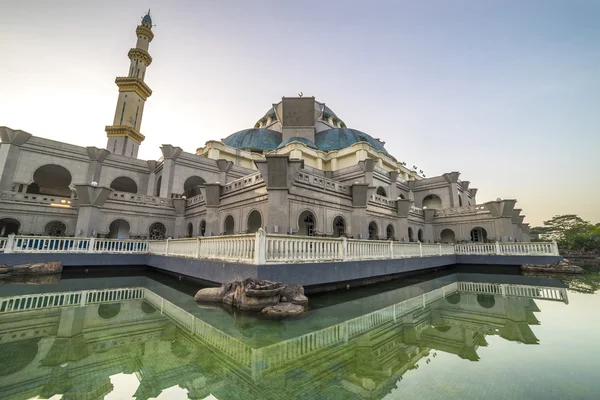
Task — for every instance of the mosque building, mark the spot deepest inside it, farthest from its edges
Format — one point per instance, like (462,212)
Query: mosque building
(299,170)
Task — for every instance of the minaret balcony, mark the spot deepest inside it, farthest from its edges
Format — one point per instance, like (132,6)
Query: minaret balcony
(142,30)
(124,130)
(139,54)
(133,84)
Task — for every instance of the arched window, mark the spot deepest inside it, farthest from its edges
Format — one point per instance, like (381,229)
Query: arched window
(420,235)
(229,225)
(190,187)
(202,229)
(124,184)
(486,300)
(157,188)
(53,180)
(254,221)
(381,191)
(306,224)
(447,236)
(339,227)
(479,235)
(157,231)
(55,228)
(432,201)
(372,231)
(389,232)
(190,230)
(118,229)
(9,226)
(410,235)
(109,311)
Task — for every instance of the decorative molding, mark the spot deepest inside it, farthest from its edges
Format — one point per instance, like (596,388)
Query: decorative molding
(139,54)
(133,84)
(15,137)
(142,30)
(96,154)
(124,130)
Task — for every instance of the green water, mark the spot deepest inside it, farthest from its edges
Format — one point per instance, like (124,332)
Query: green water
(445,336)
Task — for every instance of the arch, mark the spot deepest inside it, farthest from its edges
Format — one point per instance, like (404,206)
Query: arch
(447,236)
(307,223)
(339,226)
(157,231)
(20,353)
(420,235)
(411,237)
(190,186)
(432,201)
(157,188)
(109,311)
(202,228)
(147,308)
(190,230)
(52,180)
(9,226)
(254,221)
(389,232)
(124,184)
(401,196)
(479,235)
(486,300)
(453,298)
(381,191)
(119,229)
(229,225)
(372,230)
(55,228)
(460,203)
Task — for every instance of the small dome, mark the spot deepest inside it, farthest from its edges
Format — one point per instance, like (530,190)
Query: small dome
(254,139)
(340,138)
(147,18)
(298,140)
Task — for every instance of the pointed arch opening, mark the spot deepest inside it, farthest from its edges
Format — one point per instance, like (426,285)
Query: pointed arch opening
(229,225)
(118,229)
(254,221)
(372,231)
(306,224)
(339,227)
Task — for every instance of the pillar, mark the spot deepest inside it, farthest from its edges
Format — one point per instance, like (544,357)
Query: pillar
(170,155)
(10,150)
(90,201)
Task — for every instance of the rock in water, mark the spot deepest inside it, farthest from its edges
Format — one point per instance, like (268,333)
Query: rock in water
(295,294)
(46,268)
(211,295)
(561,267)
(284,310)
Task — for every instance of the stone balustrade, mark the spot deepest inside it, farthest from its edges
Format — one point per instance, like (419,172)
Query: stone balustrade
(65,202)
(383,200)
(323,183)
(261,248)
(448,212)
(416,210)
(140,199)
(241,183)
(197,199)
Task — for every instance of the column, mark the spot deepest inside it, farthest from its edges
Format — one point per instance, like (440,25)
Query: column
(9,154)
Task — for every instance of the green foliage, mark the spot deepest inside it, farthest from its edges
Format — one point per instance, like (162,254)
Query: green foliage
(571,232)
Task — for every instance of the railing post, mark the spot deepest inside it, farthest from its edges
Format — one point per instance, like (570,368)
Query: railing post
(260,247)
(440,244)
(554,245)
(197,246)
(503,290)
(344,249)
(92,245)
(420,249)
(497,247)
(10,243)
(391,249)
(167,247)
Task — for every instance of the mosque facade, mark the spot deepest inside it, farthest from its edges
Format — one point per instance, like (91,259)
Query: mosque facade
(299,170)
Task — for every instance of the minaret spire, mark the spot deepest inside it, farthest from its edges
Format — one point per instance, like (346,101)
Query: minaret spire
(124,135)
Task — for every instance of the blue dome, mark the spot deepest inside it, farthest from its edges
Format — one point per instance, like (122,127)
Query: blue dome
(340,138)
(254,139)
(328,112)
(147,19)
(299,140)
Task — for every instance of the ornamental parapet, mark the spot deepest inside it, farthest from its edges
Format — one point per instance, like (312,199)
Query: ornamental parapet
(140,199)
(139,54)
(124,130)
(142,30)
(133,84)
(449,212)
(242,183)
(324,183)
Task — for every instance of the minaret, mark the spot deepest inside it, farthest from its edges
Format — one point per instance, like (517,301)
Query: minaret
(124,135)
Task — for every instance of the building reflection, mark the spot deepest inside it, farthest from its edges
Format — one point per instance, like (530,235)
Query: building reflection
(72,342)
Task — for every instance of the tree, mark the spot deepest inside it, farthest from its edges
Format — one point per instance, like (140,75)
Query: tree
(556,227)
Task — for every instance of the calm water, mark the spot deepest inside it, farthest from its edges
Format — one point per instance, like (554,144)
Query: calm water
(443,336)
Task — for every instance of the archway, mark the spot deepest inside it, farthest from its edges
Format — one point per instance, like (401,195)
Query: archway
(420,235)
(339,227)
(447,236)
(306,224)
(190,230)
(254,221)
(124,184)
(190,187)
(389,232)
(109,311)
(453,298)
(9,226)
(411,237)
(202,229)
(372,231)
(479,235)
(55,228)
(118,229)
(432,201)
(52,180)
(401,196)
(157,188)
(157,231)
(229,225)
(381,191)
(486,300)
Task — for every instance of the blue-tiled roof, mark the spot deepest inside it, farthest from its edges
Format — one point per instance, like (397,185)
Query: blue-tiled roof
(147,19)
(340,138)
(297,139)
(254,139)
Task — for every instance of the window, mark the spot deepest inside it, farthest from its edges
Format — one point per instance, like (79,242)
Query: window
(122,113)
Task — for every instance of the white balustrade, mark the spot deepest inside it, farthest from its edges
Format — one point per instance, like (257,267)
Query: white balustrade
(499,248)
(46,244)
(290,248)
(367,249)
(120,246)
(2,244)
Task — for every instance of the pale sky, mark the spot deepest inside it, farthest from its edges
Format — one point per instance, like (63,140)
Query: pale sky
(506,92)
